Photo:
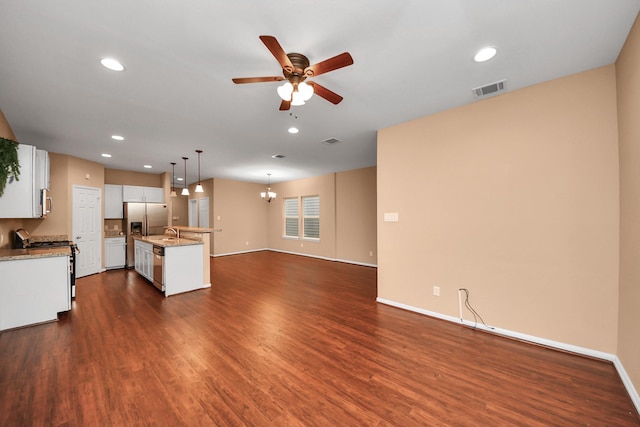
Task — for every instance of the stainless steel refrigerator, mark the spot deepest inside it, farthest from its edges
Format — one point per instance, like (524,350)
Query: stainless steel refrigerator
(143,219)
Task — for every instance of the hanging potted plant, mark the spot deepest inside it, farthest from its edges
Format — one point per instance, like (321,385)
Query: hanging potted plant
(9,164)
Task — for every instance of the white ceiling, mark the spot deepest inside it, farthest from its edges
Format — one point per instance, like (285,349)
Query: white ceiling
(412,58)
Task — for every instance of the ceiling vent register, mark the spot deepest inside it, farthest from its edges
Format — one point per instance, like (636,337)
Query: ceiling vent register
(331,141)
(489,89)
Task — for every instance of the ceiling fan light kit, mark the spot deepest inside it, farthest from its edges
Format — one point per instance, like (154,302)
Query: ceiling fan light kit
(295,70)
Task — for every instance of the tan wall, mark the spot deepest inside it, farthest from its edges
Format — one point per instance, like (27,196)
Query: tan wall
(179,210)
(241,214)
(66,171)
(7,231)
(515,198)
(356,237)
(323,186)
(122,177)
(628,85)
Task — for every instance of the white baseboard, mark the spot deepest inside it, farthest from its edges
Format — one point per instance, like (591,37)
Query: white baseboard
(633,394)
(322,257)
(296,253)
(238,253)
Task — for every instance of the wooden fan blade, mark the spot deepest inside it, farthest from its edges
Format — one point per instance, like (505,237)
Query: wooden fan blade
(325,93)
(285,105)
(278,52)
(240,80)
(338,61)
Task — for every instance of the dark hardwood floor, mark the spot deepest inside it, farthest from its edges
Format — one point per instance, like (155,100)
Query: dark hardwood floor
(284,340)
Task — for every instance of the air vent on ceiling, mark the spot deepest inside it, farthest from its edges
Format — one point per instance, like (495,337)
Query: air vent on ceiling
(331,141)
(278,156)
(489,89)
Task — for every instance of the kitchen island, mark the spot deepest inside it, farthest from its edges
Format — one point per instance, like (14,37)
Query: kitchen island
(35,285)
(171,264)
(203,234)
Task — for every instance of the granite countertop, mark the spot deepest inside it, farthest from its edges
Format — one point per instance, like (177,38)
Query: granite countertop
(15,254)
(167,241)
(110,233)
(194,229)
(49,238)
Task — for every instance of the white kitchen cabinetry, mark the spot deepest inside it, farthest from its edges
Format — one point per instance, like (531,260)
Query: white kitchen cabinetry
(136,193)
(33,290)
(28,196)
(113,201)
(144,259)
(183,269)
(115,250)
(154,194)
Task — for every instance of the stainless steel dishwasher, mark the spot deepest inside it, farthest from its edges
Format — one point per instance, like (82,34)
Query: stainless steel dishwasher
(158,267)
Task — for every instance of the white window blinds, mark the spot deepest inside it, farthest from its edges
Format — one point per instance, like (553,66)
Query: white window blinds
(311,216)
(291,217)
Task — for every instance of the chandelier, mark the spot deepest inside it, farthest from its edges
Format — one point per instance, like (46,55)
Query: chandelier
(268,195)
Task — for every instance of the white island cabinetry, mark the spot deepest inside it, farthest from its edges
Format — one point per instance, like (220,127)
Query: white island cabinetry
(182,269)
(144,259)
(182,263)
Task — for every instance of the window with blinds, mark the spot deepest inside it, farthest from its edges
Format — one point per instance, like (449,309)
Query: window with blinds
(291,217)
(311,217)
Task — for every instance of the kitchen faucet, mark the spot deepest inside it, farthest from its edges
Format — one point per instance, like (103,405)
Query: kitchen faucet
(176,232)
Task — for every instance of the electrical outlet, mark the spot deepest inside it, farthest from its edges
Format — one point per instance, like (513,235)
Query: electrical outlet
(436,291)
(246,243)
(370,253)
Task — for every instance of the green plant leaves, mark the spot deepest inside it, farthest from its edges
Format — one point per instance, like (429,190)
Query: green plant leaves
(9,164)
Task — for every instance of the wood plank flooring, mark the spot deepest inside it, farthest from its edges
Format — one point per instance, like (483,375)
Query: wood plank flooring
(284,340)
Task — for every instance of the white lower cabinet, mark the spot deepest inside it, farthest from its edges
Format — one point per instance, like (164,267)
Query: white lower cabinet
(33,290)
(144,259)
(115,252)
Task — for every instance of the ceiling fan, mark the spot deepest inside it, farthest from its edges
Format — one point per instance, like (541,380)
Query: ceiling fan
(295,70)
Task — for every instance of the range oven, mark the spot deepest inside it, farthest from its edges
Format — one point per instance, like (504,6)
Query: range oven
(24,241)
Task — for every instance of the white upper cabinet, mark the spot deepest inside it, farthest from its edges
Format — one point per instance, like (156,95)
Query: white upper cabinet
(154,194)
(113,201)
(28,196)
(136,193)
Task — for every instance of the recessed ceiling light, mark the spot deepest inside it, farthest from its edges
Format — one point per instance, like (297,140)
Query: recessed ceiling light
(485,54)
(148,166)
(117,137)
(293,130)
(112,64)
(105,155)
(179,179)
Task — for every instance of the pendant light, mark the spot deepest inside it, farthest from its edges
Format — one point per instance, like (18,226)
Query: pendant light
(199,186)
(185,190)
(268,195)
(173,175)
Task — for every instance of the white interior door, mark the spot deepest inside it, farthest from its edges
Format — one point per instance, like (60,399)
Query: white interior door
(203,217)
(193,212)
(87,217)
